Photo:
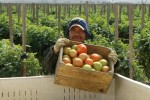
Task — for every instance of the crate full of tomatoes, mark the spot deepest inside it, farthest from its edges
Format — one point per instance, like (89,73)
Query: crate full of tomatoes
(84,66)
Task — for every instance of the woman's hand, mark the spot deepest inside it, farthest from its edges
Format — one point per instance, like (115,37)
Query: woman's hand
(60,42)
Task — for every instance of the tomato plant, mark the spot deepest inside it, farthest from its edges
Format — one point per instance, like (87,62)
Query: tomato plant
(11,64)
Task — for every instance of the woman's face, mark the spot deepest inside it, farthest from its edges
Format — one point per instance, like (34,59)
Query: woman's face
(77,34)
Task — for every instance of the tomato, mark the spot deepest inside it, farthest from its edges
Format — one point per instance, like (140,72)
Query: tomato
(81,48)
(72,53)
(89,61)
(105,69)
(83,56)
(77,62)
(95,57)
(66,60)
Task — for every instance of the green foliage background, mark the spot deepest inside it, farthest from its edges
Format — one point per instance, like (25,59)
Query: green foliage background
(40,37)
(11,64)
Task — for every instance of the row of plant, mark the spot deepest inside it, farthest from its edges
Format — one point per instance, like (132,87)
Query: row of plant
(40,38)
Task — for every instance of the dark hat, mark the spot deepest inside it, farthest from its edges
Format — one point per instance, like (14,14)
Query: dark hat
(80,22)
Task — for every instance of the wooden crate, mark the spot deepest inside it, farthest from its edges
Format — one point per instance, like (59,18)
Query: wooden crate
(95,81)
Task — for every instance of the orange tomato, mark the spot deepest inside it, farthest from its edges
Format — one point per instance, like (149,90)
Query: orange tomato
(88,61)
(83,56)
(95,57)
(81,48)
(77,62)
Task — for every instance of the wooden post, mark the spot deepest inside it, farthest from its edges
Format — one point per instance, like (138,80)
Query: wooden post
(120,10)
(18,11)
(24,36)
(68,9)
(86,11)
(148,11)
(64,10)
(47,9)
(59,10)
(51,7)
(74,7)
(0,8)
(95,6)
(56,8)
(101,9)
(37,14)
(108,14)
(33,11)
(44,9)
(116,22)
(80,8)
(104,8)
(10,24)
(131,39)
(142,22)
(29,7)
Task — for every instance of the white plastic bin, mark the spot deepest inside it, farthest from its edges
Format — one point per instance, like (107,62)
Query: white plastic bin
(43,88)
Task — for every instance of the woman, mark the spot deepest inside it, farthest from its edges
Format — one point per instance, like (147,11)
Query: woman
(77,30)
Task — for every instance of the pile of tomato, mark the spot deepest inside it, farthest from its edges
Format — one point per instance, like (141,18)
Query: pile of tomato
(76,56)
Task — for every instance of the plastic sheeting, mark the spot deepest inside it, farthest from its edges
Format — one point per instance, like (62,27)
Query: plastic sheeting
(56,1)
(146,1)
(78,1)
(128,1)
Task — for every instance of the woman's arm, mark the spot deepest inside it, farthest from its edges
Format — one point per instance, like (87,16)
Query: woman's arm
(50,60)
(49,64)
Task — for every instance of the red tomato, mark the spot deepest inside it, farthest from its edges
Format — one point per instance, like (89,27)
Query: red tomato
(81,48)
(89,61)
(95,57)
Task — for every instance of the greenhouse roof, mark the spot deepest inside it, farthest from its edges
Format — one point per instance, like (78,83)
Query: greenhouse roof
(78,1)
